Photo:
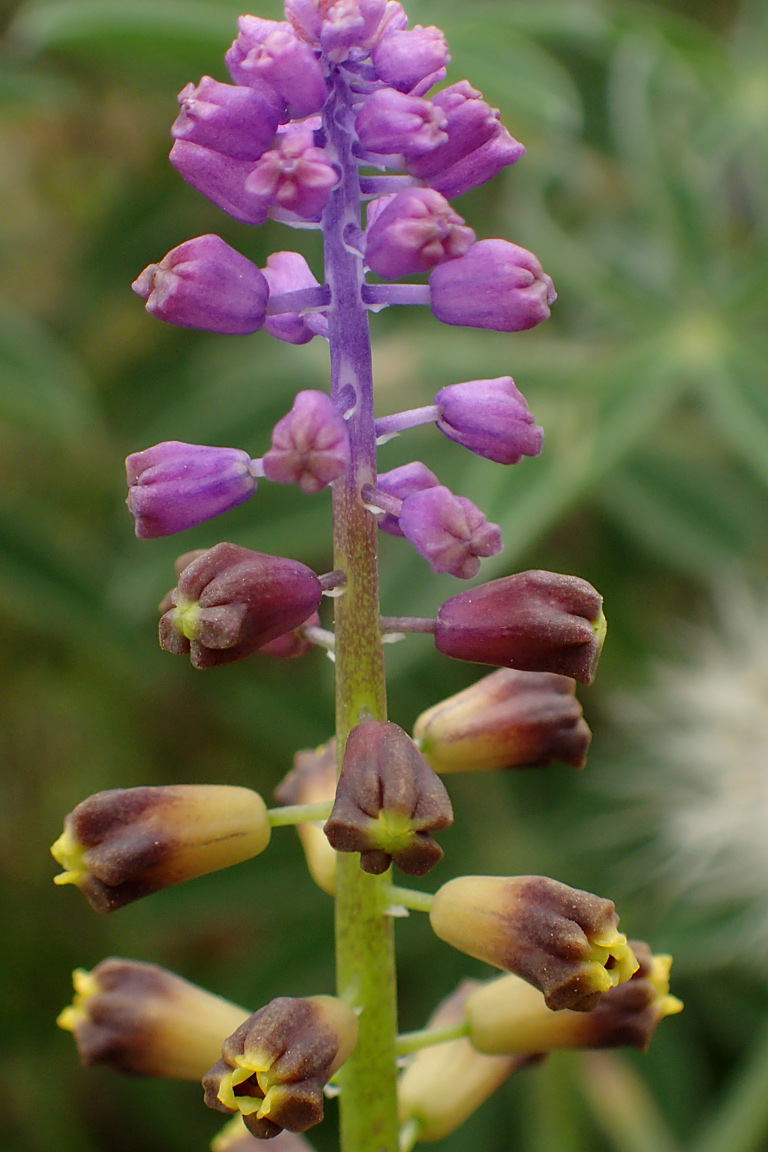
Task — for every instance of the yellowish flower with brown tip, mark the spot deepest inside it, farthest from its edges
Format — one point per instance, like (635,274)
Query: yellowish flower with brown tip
(312,780)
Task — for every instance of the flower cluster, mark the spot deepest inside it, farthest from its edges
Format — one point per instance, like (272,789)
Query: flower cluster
(334,89)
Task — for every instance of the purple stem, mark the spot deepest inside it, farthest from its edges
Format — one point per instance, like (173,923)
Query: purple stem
(384,294)
(331,580)
(299,301)
(407,624)
(371,186)
(413,418)
(377,499)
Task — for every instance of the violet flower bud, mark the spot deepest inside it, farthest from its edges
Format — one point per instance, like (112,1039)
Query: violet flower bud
(310,445)
(289,272)
(401,482)
(413,233)
(392,123)
(238,121)
(289,65)
(125,843)
(535,621)
(231,601)
(496,285)
(562,940)
(469,123)
(145,1021)
(221,179)
(445,1083)
(479,166)
(291,644)
(174,486)
(387,802)
(312,780)
(203,283)
(274,1067)
(407,59)
(510,1016)
(295,175)
(351,27)
(450,532)
(508,719)
(491,418)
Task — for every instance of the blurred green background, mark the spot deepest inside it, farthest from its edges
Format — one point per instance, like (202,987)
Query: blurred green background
(645,194)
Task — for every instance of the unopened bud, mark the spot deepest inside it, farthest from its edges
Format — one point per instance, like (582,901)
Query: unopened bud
(469,123)
(509,719)
(491,418)
(388,800)
(289,272)
(562,940)
(125,843)
(145,1021)
(310,445)
(535,621)
(274,1067)
(295,175)
(407,59)
(230,601)
(495,285)
(507,1015)
(312,780)
(402,482)
(414,232)
(450,532)
(392,123)
(447,1082)
(233,119)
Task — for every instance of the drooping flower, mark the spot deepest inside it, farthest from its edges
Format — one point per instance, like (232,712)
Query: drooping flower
(491,418)
(239,121)
(449,531)
(495,285)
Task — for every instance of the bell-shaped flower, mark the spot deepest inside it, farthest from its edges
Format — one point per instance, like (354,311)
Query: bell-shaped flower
(411,59)
(274,1067)
(562,940)
(393,123)
(278,57)
(310,445)
(414,232)
(445,1083)
(495,285)
(230,601)
(491,418)
(478,166)
(535,621)
(388,800)
(289,272)
(401,482)
(145,1021)
(508,719)
(469,123)
(125,843)
(450,532)
(238,121)
(173,486)
(203,283)
(509,1016)
(295,175)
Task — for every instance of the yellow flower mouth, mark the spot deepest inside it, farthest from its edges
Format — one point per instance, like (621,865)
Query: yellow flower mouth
(86,986)
(614,961)
(185,618)
(69,853)
(245,1104)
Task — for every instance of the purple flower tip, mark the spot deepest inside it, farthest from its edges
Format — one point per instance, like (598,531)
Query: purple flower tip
(496,285)
(295,175)
(238,121)
(406,59)
(491,418)
(174,486)
(414,232)
(402,482)
(449,531)
(393,123)
(310,446)
(205,284)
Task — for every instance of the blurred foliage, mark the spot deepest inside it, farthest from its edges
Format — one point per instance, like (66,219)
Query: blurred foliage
(645,194)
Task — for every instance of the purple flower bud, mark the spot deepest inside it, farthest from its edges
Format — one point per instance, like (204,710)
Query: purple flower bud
(205,284)
(230,601)
(351,27)
(240,122)
(404,59)
(295,175)
(535,621)
(310,446)
(289,272)
(306,19)
(496,285)
(392,123)
(414,232)
(221,179)
(449,531)
(401,482)
(470,122)
(478,166)
(491,418)
(252,31)
(174,486)
(287,64)
(291,644)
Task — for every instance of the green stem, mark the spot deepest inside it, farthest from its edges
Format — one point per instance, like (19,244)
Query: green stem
(365,957)
(408,898)
(426,1037)
(299,813)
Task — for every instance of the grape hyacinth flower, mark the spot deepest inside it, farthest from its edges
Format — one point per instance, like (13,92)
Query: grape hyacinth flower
(337,88)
